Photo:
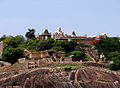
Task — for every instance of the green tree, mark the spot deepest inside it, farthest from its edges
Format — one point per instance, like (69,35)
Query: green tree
(1,64)
(10,41)
(78,48)
(14,41)
(78,55)
(11,54)
(72,45)
(67,45)
(30,34)
(111,48)
(19,39)
(38,45)
(113,55)
(58,48)
(3,38)
(116,65)
(50,43)
(43,45)
(108,45)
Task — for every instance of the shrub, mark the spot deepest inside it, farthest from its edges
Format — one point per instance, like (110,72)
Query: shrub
(14,83)
(68,69)
(114,67)
(12,54)
(87,58)
(58,48)
(78,55)
(2,64)
(116,59)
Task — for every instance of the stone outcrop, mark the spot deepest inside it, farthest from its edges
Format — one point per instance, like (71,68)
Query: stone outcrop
(85,77)
(1,48)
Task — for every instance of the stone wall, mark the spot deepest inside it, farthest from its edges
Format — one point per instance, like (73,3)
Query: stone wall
(68,59)
(35,55)
(60,54)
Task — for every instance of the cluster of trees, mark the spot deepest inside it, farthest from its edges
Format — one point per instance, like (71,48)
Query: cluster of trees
(12,52)
(70,47)
(111,49)
(50,43)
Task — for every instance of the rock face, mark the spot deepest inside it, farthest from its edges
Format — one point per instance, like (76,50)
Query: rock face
(86,77)
(1,48)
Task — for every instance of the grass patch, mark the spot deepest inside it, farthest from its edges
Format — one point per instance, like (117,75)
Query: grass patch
(107,80)
(66,67)
(16,64)
(87,58)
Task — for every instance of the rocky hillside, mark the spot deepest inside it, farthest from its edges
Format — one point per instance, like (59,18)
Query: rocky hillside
(84,77)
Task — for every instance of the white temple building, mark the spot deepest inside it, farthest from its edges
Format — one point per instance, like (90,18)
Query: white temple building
(58,34)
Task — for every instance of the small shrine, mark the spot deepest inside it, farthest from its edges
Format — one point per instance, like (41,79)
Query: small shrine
(44,35)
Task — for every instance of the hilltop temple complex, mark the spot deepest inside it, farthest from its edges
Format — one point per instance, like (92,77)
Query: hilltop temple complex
(59,35)
(83,41)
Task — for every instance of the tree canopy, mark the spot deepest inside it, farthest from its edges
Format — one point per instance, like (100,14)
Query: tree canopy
(14,41)
(12,52)
(45,44)
(78,55)
(111,49)
(30,34)
(110,44)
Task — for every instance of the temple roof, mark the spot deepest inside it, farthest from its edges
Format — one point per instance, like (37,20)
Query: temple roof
(46,32)
(73,33)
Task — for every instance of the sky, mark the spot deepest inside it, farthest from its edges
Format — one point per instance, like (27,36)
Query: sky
(91,17)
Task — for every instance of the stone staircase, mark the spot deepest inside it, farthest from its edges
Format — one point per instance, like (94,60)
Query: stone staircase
(92,54)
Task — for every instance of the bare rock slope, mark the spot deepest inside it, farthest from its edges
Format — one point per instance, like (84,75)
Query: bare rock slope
(86,77)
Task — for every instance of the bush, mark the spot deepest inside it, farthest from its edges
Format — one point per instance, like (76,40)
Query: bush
(108,45)
(114,66)
(116,59)
(87,58)
(2,64)
(14,83)
(58,48)
(12,54)
(14,42)
(78,48)
(78,55)
(68,69)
